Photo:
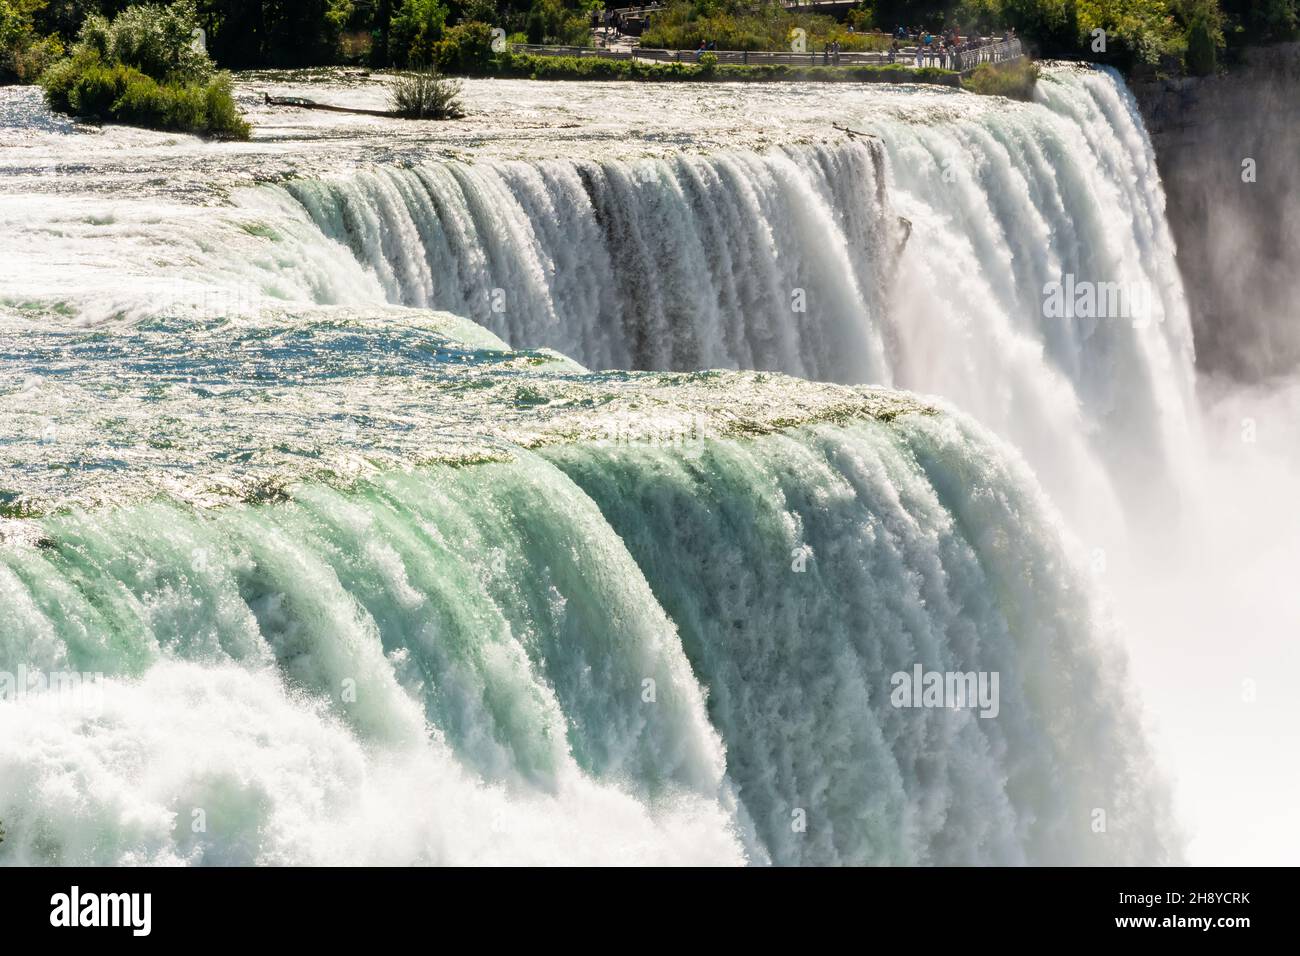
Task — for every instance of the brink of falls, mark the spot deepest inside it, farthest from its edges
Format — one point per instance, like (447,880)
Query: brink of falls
(579,508)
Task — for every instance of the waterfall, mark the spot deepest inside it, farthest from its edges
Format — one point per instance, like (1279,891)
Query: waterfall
(599,652)
(622,560)
(692,262)
(919,258)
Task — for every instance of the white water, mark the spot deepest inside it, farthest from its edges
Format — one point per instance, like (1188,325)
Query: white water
(467,650)
(789,261)
(499,619)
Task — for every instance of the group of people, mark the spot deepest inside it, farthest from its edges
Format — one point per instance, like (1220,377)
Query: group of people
(945,50)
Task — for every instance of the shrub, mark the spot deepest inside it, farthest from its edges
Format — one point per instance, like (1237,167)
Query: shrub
(24,52)
(1014,80)
(28,64)
(85,86)
(549,22)
(426,94)
(143,69)
(466,49)
(158,41)
(743,25)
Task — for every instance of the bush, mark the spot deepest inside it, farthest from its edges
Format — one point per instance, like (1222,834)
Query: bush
(24,53)
(466,49)
(157,41)
(143,69)
(1014,80)
(548,21)
(426,94)
(85,86)
(29,63)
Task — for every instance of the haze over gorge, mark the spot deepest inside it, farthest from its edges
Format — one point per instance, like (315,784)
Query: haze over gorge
(565,483)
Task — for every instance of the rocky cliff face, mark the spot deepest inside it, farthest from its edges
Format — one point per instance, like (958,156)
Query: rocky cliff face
(1229,154)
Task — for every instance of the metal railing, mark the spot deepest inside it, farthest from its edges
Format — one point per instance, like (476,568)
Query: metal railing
(961,59)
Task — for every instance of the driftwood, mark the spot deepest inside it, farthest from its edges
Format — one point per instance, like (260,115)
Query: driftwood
(305,104)
(854,132)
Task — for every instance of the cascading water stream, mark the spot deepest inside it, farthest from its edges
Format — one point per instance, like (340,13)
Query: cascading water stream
(508,635)
(800,261)
(342,559)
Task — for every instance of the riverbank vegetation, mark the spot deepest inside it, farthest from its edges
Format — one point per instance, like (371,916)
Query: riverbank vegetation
(1169,35)
(1015,79)
(598,68)
(685,24)
(145,68)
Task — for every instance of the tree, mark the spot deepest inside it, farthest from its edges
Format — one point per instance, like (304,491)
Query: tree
(157,41)
(1201,55)
(246,33)
(416,29)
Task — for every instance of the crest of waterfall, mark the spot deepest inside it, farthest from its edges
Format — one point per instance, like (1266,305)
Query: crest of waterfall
(919,258)
(370,583)
(597,653)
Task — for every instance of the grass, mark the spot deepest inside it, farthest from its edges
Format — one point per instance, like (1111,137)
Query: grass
(1015,80)
(425,94)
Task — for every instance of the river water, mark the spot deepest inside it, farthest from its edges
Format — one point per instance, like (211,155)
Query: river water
(566,482)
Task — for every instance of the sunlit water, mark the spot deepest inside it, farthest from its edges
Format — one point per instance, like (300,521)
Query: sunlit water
(300,447)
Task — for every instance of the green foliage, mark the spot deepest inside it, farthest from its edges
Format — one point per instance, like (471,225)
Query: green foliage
(142,69)
(599,68)
(478,11)
(156,40)
(85,86)
(63,18)
(416,30)
(1262,20)
(1015,80)
(862,17)
(749,25)
(549,21)
(1201,53)
(24,51)
(426,94)
(248,33)
(466,48)
(28,64)
(253,33)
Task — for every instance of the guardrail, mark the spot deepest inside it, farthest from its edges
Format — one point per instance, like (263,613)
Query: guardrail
(963,60)
(538,49)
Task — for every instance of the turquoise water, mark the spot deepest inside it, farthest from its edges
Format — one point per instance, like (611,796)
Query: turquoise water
(352,580)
